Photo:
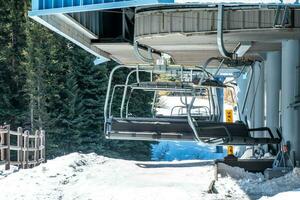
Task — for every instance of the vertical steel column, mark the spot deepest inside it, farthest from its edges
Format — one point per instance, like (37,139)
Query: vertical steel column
(290,129)
(249,110)
(259,114)
(242,83)
(220,97)
(273,86)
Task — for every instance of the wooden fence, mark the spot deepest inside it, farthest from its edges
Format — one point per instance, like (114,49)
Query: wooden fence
(20,148)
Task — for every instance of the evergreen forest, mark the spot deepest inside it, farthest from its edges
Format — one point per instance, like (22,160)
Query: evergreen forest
(48,82)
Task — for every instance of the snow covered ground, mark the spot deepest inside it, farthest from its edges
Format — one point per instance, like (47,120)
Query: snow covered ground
(89,176)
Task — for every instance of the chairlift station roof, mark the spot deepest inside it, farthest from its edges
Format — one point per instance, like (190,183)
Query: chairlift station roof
(128,31)
(187,31)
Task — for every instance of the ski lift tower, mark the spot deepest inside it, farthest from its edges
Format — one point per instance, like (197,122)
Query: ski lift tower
(141,31)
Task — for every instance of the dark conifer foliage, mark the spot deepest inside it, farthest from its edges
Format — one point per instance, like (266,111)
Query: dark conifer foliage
(47,82)
(12,73)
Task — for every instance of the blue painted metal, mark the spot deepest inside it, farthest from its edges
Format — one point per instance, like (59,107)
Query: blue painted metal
(48,7)
(100,60)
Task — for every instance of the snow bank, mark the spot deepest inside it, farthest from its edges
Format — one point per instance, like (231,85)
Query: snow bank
(238,173)
(4,173)
(45,181)
(90,176)
(80,176)
(290,195)
(255,185)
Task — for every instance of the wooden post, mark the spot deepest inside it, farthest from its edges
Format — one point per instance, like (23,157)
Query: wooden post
(2,143)
(20,145)
(43,143)
(7,166)
(25,149)
(39,142)
(36,147)
(216,171)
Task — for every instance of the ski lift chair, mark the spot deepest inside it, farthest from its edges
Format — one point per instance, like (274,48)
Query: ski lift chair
(188,128)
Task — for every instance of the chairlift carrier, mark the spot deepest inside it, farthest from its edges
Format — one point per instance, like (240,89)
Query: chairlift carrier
(206,128)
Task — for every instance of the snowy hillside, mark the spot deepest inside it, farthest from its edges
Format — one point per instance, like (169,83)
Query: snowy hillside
(89,176)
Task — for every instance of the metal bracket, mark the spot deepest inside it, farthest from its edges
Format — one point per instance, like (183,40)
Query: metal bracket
(242,47)
(285,22)
(137,47)
(150,51)
(220,40)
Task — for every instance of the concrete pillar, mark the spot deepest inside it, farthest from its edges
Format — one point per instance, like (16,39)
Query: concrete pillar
(220,95)
(290,116)
(242,83)
(258,109)
(273,86)
(242,86)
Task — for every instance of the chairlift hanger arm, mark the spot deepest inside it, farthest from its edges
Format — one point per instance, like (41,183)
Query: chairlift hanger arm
(150,51)
(220,40)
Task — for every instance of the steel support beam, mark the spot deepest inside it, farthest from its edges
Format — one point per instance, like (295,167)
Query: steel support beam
(251,96)
(242,86)
(259,115)
(79,38)
(273,86)
(244,83)
(290,116)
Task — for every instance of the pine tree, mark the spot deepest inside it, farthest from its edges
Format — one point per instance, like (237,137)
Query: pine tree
(70,119)
(48,82)
(12,73)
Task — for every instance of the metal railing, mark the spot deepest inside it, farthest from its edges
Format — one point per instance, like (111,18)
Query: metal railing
(29,149)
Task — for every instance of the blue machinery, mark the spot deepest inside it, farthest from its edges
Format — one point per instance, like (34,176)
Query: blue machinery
(148,35)
(45,7)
